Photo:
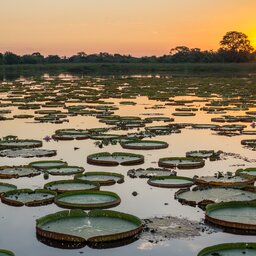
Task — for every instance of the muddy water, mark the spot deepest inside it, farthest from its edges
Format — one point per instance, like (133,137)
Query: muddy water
(17,231)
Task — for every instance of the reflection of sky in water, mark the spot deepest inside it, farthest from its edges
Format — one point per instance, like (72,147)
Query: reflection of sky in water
(149,202)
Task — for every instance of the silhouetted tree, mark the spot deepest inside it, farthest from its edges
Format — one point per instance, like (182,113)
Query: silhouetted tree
(11,58)
(53,59)
(236,47)
(1,59)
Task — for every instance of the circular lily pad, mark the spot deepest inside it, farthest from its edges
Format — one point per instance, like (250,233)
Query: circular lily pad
(204,126)
(203,196)
(5,187)
(200,153)
(10,144)
(150,172)
(224,180)
(236,216)
(48,164)
(88,200)
(9,172)
(181,162)
(28,197)
(249,143)
(62,186)
(249,173)
(114,159)
(65,170)
(27,153)
(144,144)
(183,114)
(103,178)
(171,182)
(6,253)
(97,226)
(231,249)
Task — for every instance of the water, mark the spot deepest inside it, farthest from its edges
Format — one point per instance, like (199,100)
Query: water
(18,232)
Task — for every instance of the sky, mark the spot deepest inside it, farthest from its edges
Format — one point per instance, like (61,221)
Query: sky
(137,27)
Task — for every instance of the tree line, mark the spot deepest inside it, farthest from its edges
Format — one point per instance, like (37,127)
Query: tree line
(234,47)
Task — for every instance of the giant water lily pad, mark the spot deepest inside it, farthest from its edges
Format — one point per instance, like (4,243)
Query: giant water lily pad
(62,186)
(10,144)
(144,144)
(27,153)
(231,249)
(203,196)
(224,180)
(8,172)
(6,253)
(234,216)
(249,173)
(103,178)
(201,153)
(48,164)
(5,187)
(88,200)
(150,172)
(181,162)
(78,227)
(249,143)
(65,170)
(171,182)
(28,197)
(114,159)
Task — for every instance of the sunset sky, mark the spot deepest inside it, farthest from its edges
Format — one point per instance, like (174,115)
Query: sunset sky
(137,27)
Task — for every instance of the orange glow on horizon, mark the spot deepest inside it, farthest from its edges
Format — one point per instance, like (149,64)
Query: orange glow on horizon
(144,27)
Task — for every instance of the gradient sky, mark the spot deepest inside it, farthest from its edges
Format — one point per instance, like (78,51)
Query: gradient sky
(137,27)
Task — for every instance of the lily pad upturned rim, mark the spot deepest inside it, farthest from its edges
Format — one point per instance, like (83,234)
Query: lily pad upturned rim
(241,172)
(40,202)
(35,144)
(103,182)
(16,176)
(81,170)
(11,186)
(47,161)
(91,160)
(226,246)
(93,213)
(182,185)
(60,191)
(198,162)
(201,182)
(7,252)
(231,226)
(88,206)
(159,144)
(205,202)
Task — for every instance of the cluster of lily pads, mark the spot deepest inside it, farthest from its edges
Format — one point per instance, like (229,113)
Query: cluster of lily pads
(228,199)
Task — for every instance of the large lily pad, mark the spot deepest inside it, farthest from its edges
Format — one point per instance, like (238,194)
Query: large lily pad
(28,197)
(204,196)
(181,162)
(144,144)
(5,187)
(171,182)
(65,170)
(234,216)
(88,200)
(11,144)
(27,153)
(9,172)
(79,227)
(6,253)
(150,172)
(48,164)
(108,159)
(234,249)
(62,186)
(103,178)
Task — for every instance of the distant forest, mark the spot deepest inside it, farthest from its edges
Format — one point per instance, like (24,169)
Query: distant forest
(234,47)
